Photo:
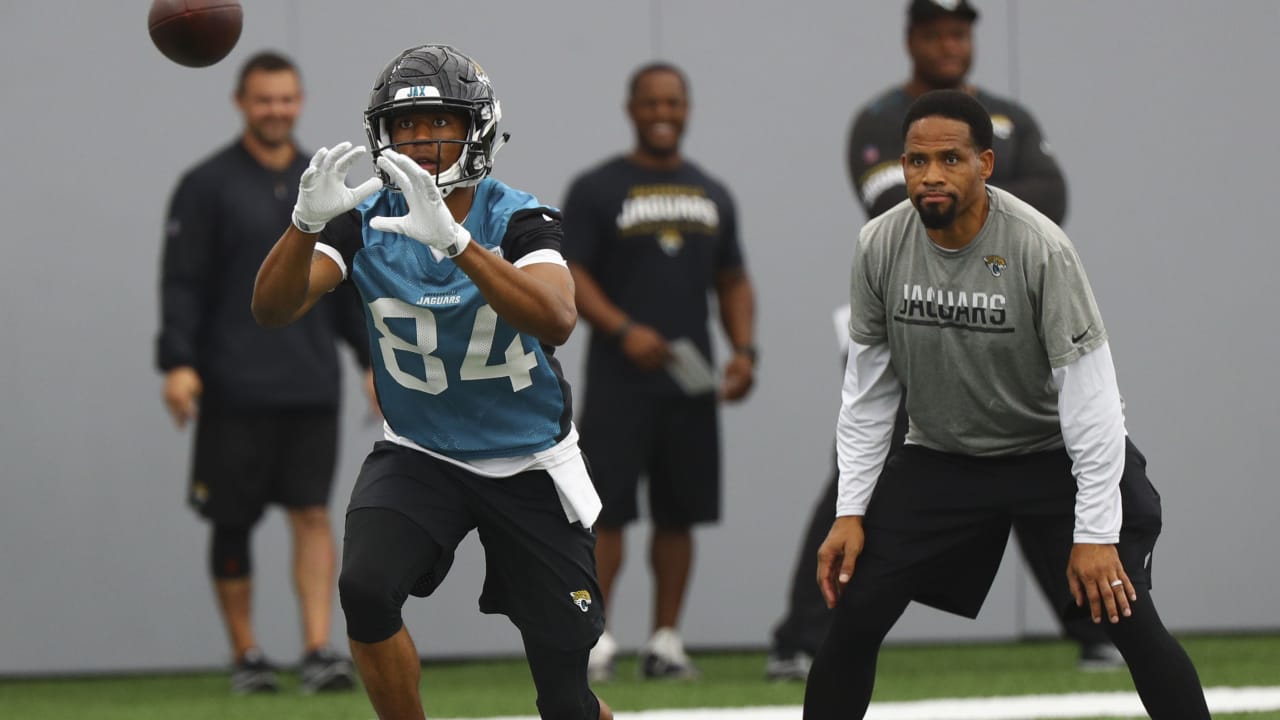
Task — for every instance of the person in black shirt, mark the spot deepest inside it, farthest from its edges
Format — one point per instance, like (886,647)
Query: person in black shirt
(939,40)
(266,429)
(648,235)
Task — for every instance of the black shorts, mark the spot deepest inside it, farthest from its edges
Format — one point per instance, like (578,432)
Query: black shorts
(243,461)
(674,441)
(540,569)
(938,524)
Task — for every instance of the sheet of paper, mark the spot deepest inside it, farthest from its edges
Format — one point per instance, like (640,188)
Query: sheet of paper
(690,369)
(841,319)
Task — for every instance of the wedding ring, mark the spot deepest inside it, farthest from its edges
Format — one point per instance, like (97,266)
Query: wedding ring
(1117,583)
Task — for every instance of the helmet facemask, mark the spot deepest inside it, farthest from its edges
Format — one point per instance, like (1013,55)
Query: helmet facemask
(433,78)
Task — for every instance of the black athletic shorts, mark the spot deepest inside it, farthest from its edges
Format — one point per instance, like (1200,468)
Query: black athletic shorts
(937,524)
(540,569)
(243,461)
(673,440)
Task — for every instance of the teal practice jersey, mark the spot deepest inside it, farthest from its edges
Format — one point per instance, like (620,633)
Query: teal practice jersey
(451,375)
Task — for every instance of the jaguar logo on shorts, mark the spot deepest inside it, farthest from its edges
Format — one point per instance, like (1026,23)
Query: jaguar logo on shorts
(581,598)
(995,264)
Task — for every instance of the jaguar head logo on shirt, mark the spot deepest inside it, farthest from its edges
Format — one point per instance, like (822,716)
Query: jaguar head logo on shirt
(670,240)
(995,264)
(1002,126)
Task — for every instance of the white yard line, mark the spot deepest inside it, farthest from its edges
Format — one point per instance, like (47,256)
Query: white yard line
(1021,707)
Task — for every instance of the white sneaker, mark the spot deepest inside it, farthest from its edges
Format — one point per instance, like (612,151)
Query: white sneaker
(788,667)
(1100,657)
(664,657)
(600,662)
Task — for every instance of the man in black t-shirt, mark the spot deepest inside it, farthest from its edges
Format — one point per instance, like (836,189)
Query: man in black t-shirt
(940,42)
(267,427)
(648,235)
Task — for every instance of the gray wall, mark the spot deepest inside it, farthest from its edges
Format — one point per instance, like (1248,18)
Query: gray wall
(1162,114)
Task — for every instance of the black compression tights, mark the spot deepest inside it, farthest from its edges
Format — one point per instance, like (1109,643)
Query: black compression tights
(560,677)
(229,557)
(1162,673)
(843,672)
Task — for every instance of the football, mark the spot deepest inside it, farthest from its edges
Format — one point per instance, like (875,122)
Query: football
(195,33)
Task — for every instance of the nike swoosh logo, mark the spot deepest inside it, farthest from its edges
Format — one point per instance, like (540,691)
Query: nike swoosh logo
(1077,338)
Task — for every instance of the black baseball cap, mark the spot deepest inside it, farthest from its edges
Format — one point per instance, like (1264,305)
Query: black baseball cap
(920,11)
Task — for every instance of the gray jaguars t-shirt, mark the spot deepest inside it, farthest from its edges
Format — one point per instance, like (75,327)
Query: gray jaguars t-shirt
(975,333)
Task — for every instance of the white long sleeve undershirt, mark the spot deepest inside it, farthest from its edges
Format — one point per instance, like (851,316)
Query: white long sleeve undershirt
(864,428)
(1090,413)
(1092,419)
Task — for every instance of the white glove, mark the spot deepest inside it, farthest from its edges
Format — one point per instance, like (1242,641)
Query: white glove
(429,220)
(323,193)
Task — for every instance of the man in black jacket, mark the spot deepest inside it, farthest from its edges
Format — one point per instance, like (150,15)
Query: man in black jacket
(267,426)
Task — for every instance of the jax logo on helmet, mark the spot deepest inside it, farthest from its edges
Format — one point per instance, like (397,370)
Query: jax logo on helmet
(417,91)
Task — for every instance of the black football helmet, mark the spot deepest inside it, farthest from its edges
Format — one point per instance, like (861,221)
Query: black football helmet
(438,76)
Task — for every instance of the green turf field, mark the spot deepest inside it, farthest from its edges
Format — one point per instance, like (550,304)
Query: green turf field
(480,689)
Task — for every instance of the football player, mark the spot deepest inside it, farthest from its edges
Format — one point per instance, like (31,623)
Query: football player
(466,296)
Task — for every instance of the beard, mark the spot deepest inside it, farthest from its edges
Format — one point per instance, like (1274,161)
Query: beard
(659,151)
(273,134)
(934,217)
(943,81)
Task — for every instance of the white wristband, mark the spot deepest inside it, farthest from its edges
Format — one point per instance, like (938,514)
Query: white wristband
(460,241)
(304,226)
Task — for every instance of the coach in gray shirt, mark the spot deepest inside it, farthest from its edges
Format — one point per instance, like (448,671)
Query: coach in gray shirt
(979,304)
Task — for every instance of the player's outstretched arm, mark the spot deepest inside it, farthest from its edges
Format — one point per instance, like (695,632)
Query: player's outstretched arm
(536,299)
(294,277)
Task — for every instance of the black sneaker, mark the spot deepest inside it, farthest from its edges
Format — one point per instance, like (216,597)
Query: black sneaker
(1100,657)
(323,671)
(252,673)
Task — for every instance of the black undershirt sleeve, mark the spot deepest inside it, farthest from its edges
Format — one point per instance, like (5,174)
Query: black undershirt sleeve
(344,234)
(533,229)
